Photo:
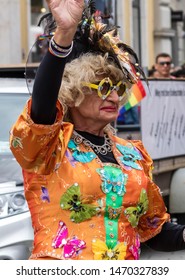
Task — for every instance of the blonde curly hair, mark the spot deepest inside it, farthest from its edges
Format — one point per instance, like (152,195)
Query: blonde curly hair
(88,68)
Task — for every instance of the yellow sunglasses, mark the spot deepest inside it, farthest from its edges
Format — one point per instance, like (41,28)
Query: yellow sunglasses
(105,87)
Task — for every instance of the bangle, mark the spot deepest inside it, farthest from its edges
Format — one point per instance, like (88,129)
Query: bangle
(58,53)
(59,48)
(61,55)
(183,234)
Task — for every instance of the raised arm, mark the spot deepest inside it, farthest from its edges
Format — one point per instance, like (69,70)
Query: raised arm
(67,14)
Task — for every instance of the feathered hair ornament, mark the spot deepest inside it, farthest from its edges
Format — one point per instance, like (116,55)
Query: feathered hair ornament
(93,35)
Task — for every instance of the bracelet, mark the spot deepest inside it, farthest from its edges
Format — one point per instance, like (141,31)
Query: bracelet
(60,54)
(183,235)
(59,48)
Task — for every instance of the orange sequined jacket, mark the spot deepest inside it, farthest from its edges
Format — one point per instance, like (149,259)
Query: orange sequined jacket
(82,208)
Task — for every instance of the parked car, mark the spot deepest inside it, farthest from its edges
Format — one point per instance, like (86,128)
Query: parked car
(16,232)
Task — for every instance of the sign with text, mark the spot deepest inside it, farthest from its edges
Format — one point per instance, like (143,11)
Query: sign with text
(177,16)
(163,118)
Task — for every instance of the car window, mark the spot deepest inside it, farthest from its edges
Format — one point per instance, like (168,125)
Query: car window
(11,105)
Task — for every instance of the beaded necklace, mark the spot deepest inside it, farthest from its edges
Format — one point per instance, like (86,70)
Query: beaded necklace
(98,149)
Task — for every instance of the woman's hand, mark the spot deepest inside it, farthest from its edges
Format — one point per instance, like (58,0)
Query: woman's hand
(67,13)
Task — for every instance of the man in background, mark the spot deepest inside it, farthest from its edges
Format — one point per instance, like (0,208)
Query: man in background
(163,63)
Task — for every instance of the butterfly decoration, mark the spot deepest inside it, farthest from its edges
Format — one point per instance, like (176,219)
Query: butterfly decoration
(45,194)
(135,249)
(16,142)
(152,222)
(78,155)
(70,158)
(134,213)
(113,213)
(130,156)
(113,180)
(71,247)
(102,252)
(80,211)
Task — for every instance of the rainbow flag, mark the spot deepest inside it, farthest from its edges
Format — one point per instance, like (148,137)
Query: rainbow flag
(138,93)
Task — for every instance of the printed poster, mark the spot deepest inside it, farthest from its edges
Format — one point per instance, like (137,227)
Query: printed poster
(163,118)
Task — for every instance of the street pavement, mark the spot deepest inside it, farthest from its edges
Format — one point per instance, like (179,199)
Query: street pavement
(149,254)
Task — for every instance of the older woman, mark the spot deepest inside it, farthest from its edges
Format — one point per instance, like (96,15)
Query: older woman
(90,193)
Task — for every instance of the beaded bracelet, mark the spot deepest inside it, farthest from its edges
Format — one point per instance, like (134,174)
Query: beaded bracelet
(58,51)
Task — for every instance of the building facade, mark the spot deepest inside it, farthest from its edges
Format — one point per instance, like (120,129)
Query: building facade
(153,26)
